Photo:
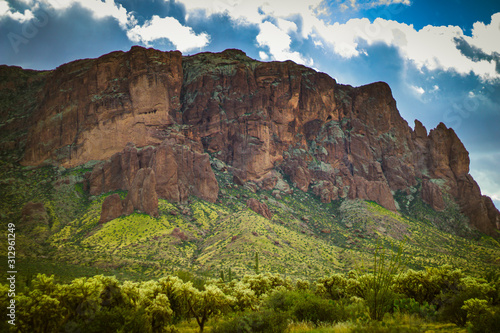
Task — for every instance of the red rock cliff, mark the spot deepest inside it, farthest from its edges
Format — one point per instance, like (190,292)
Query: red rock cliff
(258,118)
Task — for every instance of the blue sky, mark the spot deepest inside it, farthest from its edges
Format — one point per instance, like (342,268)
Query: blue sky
(441,58)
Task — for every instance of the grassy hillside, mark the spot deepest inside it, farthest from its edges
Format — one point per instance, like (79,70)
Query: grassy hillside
(304,238)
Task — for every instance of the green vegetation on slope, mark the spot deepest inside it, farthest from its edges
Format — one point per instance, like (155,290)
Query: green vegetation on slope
(304,238)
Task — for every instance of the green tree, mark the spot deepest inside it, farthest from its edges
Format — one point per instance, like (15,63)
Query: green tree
(204,304)
(425,286)
(40,310)
(170,286)
(452,301)
(332,287)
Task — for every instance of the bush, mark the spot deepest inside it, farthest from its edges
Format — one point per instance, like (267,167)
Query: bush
(263,321)
(333,287)
(304,306)
(452,301)
(481,317)
(410,306)
(425,286)
(116,319)
(282,301)
(352,309)
(315,309)
(391,324)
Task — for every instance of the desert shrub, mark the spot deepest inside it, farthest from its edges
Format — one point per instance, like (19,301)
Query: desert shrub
(302,285)
(481,317)
(352,309)
(187,276)
(264,283)
(305,306)
(244,297)
(397,323)
(315,309)
(263,321)
(380,301)
(281,301)
(333,287)
(411,306)
(452,301)
(115,319)
(425,286)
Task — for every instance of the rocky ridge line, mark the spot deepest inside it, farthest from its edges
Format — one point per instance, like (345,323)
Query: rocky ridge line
(263,120)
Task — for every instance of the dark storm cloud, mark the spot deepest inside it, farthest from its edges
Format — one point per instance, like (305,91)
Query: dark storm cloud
(475,54)
(145,9)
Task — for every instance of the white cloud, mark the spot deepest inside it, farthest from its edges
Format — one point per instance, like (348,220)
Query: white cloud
(486,37)
(99,9)
(5,11)
(430,47)
(419,91)
(275,37)
(254,12)
(286,25)
(183,37)
(370,4)
(278,42)
(263,55)
(4,8)
(392,2)
(318,43)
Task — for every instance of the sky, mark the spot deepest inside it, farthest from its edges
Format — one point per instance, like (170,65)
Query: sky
(441,58)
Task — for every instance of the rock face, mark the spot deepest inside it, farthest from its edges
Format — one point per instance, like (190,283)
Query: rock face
(431,194)
(259,207)
(35,220)
(112,207)
(113,100)
(258,119)
(172,170)
(34,213)
(142,194)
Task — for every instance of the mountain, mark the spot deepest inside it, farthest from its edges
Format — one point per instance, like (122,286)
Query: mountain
(161,133)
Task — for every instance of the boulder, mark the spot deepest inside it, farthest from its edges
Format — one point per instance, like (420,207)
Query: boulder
(259,207)
(112,207)
(377,191)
